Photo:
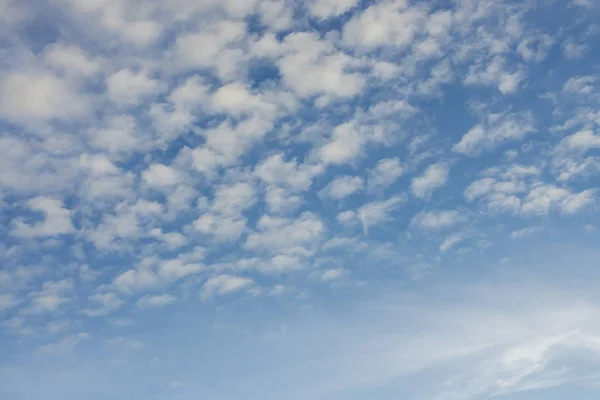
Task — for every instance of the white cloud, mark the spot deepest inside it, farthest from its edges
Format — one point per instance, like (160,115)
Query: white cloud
(193,138)
(313,67)
(583,140)
(388,23)
(348,217)
(136,279)
(128,87)
(213,47)
(39,96)
(176,269)
(342,187)
(378,212)
(30,168)
(282,201)
(541,199)
(65,346)
(160,176)
(172,240)
(437,219)
(233,199)
(276,14)
(281,263)
(345,145)
(518,190)
(574,51)
(130,24)
(496,73)
(106,302)
(498,128)
(71,59)
(386,172)
(434,177)
(524,232)
(581,85)
(236,100)
(157,301)
(222,228)
(119,135)
(275,170)
(333,274)
(324,9)
(280,235)
(451,241)
(224,284)
(57,219)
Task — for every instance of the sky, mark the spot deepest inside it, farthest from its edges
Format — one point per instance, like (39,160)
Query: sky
(300,200)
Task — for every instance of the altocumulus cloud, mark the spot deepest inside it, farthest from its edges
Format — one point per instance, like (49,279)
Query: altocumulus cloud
(205,181)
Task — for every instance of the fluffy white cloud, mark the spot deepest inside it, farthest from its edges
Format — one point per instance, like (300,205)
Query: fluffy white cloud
(224,284)
(129,87)
(40,96)
(377,212)
(222,228)
(50,297)
(136,279)
(282,201)
(540,200)
(342,187)
(118,135)
(279,235)
(518,190)
(345,145)
(495,73)
(172,270)
(71,59)
(233,199)
(451,241)
(160,176)
(213,47)
(31,168)
(385,173)
(498,128)
(172,240)
(583,140)
(313,67)
(104,304)
(157,301)
(324,9)
(332,274)
(388,23)
(434,177)
(524,232)
(57,219)
(275,170)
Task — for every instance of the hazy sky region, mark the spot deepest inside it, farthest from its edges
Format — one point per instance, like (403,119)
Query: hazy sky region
(299,200)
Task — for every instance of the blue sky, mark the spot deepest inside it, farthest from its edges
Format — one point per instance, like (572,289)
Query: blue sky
(267,199)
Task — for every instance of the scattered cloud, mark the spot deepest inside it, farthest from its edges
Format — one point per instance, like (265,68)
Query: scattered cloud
(224,284)
(434,177)
(154,152)
(157,301)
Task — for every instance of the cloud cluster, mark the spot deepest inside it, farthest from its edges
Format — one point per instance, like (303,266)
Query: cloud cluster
(154,154)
